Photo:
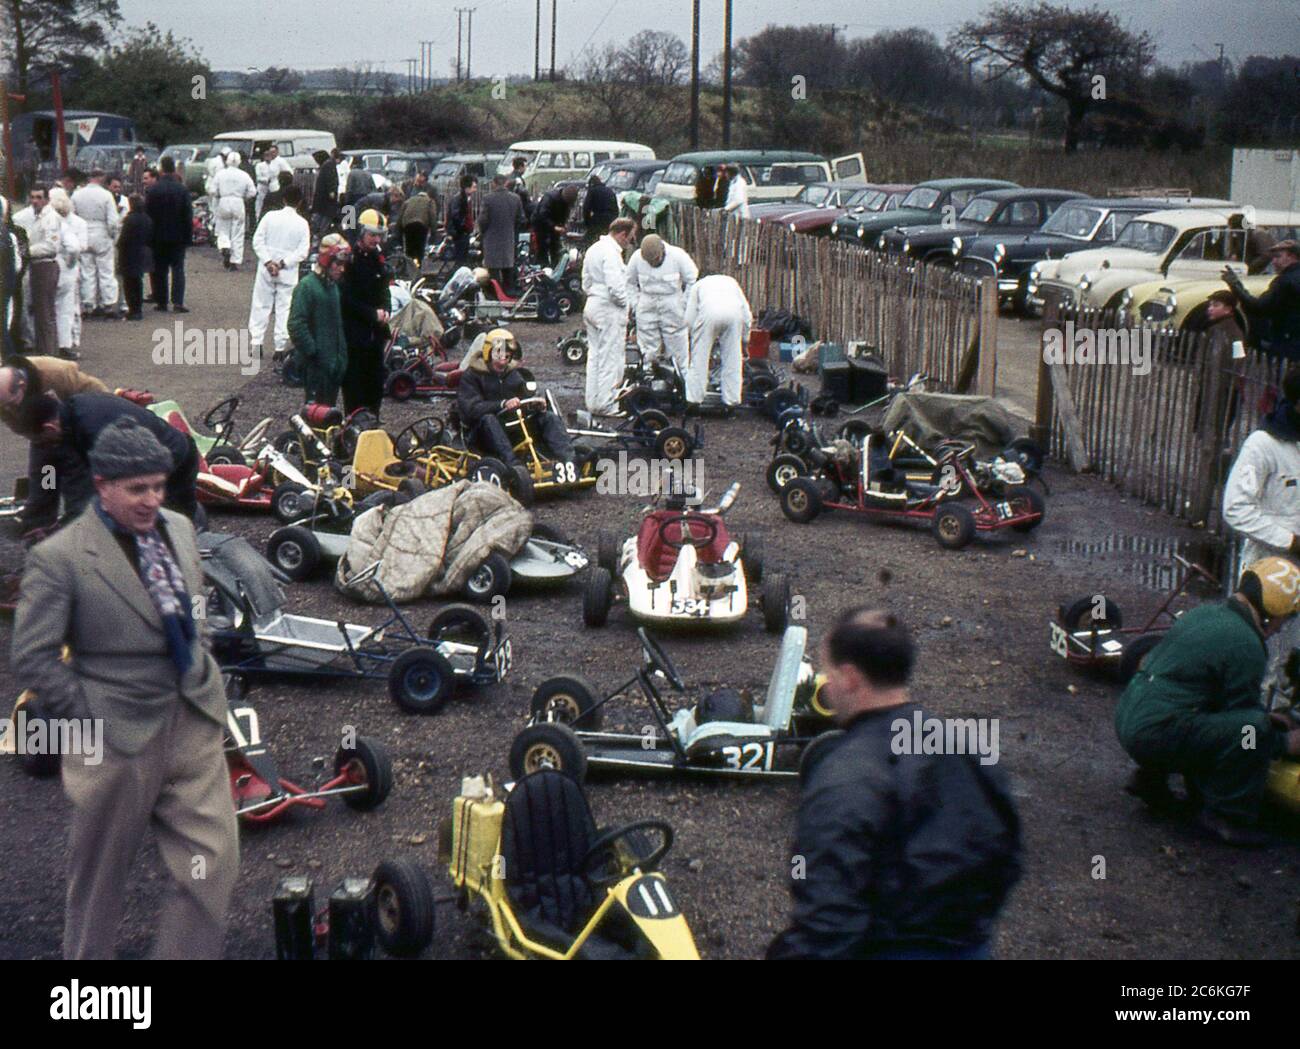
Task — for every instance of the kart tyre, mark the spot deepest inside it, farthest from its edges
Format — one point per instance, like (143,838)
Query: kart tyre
(489,581)
(854,430)
(289,501)
(640,399)
(521,486)
(570,700)
(411,488)
(400,386)
(295,551)
(1027,453)
(573,350)
(762,383)
(1078,615)
(816,750)
(793,441)
(607,550)
(751,553)
(548,744)
(778,401)
(372,762)
(549,310)
(1131,658)
(491,471)
(673,443)
(776,603)
(38,766)
(420,680)
(597,596)
(801,500)
(1035,502)
(650,421)
(783,469)
(402,908)
(224,454)
(953,526)
(465,624)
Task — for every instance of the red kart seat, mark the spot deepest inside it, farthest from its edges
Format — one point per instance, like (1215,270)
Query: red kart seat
(500,292)
(657,558)
(177,420)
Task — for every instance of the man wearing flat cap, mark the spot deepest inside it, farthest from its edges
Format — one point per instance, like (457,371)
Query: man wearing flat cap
(118,587)
(1274,315)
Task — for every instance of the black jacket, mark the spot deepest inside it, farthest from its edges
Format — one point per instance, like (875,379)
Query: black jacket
(324,195)
(600,208)
(481,391)
(170,210)
(1275,315)
(362,291)
(520,190)
(899,851)
(552,210)
(134,245)
(460,215)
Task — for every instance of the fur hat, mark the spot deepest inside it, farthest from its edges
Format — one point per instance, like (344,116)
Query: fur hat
(652,249)
(124,448)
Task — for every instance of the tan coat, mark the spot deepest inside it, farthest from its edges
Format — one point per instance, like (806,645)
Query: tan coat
(59,377)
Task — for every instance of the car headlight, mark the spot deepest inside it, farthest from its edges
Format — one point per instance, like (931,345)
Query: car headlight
(835,229)
(999,252)
(907,246)
(1085,282)
(861,232)
(1126,300)
(792,227)
(956,245)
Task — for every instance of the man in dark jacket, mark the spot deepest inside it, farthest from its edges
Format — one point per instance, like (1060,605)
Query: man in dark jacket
(494,383)
(903,849)
(599,209)
(519,188)
(498,225)
(1275,315)
(135,256)
(460,218)
(325,193)
(550,217)
(11,310)
(172,214)
(66,433)
(363,293)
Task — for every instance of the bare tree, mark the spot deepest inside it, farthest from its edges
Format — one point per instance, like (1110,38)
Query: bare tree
(278,80)
(37,36)
(356,80)
(633,86)
(654,58)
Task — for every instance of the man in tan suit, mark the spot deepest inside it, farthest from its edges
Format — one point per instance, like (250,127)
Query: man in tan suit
(117,586)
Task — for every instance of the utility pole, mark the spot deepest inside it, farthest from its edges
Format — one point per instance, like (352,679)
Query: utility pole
(1220,47)
(459,12)
(537,44)
(695,74)
(553,3)
(726,75)
(469,44)
(410,75)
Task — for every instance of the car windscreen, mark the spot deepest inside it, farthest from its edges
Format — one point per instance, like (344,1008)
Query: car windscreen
(789,174)
(244,147)
(1073,221)
(653,184)
(680,174)
(507,165)
(446,168)
(815,196)
(978,210)
(622,178)
(923,197)
(1151,237)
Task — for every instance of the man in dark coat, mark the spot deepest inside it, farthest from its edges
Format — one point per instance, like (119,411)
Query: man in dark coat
(364,296)
(1275,315)
(903,849)
(172,214)
(460,218)
(498,225)
(599,209)
(549,219)
(135,256)
(325,193)
(519,187)
(11,309)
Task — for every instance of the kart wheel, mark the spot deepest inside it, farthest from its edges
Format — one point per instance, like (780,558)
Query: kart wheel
(573,350)
(402,908)
(751,553)
(776,603)
(295,551)
(521,486)
(816,750)
(607,550)
(1082,614)
(570,700)
(290,501)
(597,596)
(640,399)
(762,383)
(673,443)
(1036,505)
(650,421)
(800,500)
(367,764)
(420,680)
(411,488)
(549,310)
(490,580)
(854,430)
(400,386)
(793,441)
(548,745)
(39,766)
(1027,453)
(491,471)
(566,303)
(778,401)
(225,455)
(783,469)
(1134,652)
(953,526)
(463,624)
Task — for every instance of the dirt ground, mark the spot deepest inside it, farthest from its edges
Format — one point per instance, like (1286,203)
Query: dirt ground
(980,617)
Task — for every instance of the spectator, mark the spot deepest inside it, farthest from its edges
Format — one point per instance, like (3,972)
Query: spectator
(1275,315)
(599,209)
(519,187)
(363,295)
(135,256)
(737,199)
(460,218)
(498,226)
(97,207)
(550,218)
(44,237)
(276,198)
(325,194)
(139,165)
(316,324)
(282,241)
(419,215)
(172,215)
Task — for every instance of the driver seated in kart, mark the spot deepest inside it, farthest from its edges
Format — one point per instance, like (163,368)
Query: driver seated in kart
(492,383)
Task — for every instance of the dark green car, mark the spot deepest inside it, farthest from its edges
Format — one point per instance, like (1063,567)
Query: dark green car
(926,204)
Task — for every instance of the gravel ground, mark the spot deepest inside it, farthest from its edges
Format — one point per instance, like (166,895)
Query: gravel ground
(980,617)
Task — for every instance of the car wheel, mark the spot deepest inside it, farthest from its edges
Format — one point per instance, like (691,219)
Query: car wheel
(402,907)
(570,700)
(751,553)
(289,501)
(783,469)
(420,680)
(800,500)
(367,764)
(548,745)
(1036,505)
(597,597)
(225,455)
(953,526)
(1134,652)
(776,603)
(607,550)
(490,580)
(295,551)
(1086,611)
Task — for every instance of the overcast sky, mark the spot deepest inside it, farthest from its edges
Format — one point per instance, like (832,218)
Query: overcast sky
(236,34)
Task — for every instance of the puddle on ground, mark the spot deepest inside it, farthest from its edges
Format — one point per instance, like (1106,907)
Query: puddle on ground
(1150,559)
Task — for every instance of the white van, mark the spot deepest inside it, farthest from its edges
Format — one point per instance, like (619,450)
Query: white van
(554,160)
(296,144)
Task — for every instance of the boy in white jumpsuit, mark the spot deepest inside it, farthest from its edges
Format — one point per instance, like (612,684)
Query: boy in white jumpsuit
(267,171)
(604,281)
(282,240)
(716,312)
(67,300)
(231,187)
(659,277)
(98,207)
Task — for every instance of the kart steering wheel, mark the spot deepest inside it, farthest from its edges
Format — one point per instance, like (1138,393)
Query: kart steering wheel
(218,418)
(596,865)
(420,436)
(658,659)
(688,536)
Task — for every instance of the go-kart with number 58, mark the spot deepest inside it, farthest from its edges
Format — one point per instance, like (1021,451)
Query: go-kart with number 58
(682,567)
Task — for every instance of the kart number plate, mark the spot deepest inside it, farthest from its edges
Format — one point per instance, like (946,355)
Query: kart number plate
(1005,511)
(1060,641)
(575,560)
(503,658)
(750,756)
(565,473)
(690,606)
(236,720)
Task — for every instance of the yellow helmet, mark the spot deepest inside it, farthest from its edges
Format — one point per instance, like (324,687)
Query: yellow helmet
(501,336)
(371,221)
(1272,584)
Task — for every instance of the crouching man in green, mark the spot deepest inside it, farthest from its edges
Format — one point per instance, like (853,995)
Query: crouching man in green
(1193,706)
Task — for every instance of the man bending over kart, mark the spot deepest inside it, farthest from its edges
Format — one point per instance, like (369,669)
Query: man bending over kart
(492,384)
(1193,707)
(904,854)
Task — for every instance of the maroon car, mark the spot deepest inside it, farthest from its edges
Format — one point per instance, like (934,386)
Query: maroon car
(876,196)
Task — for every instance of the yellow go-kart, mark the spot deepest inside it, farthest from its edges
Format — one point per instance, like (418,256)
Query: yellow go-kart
(554,886)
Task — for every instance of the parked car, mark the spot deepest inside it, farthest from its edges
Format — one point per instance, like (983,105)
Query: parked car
(447,173)
(926,203)
(550,160)
(812,196)
(184,154)
(1006,210)
(873,197)
(404,167)
(771,174)
(112,160)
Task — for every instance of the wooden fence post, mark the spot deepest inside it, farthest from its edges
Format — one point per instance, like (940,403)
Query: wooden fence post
(988,302)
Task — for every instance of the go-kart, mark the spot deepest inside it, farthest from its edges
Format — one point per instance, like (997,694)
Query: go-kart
(722,734)
(643,433)
(555,886)
(222,444)
(253,635)
(661,385)
(862,479)
(420,373)
(1090,631)
(333,436)
(362,773)
(682,567)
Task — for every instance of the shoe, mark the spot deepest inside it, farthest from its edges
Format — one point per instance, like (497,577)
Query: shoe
(161,307)
(180,309)
(133,316)
(70,355)
(1232,833)
(1152,788)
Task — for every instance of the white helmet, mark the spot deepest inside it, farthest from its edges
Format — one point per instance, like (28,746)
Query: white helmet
(224,150)
(233,160)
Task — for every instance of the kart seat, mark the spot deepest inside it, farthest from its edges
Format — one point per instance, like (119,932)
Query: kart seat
(779,704)
(547,830)
(658,558)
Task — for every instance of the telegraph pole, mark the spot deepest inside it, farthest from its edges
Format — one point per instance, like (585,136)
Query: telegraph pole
(553,2)
(695,74)
(469,44)
(537,44)
(459,12)
(726,76)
